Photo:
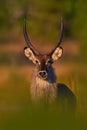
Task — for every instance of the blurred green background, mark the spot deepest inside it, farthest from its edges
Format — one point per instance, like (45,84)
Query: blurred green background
(43,23)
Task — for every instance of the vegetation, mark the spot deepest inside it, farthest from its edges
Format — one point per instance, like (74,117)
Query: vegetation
(43,20)
(44,17)
(17,112)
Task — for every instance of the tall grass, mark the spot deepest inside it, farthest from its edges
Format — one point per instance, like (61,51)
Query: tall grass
(18,113)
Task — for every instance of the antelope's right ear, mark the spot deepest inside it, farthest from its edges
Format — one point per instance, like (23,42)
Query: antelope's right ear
(29,54)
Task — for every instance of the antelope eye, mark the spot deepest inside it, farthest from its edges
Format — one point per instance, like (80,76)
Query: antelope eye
(49,61)
(37,62)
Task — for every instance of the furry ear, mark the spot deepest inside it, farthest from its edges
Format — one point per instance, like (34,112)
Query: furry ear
(57,53)
(30,55)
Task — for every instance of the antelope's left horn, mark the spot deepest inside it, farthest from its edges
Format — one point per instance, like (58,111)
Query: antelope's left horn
(60,37)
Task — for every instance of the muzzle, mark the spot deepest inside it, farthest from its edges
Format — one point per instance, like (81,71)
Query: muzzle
(42,74)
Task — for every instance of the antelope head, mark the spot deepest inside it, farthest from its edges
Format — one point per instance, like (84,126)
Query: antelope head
(42,61)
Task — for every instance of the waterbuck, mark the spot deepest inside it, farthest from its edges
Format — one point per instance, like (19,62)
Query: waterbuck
(44,86)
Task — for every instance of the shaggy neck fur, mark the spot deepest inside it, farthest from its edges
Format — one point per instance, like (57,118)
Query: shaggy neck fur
(43,89)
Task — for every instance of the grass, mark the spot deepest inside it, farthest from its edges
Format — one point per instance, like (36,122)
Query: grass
(18,113)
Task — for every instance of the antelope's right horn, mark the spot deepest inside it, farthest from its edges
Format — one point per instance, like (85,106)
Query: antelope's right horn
(27,39)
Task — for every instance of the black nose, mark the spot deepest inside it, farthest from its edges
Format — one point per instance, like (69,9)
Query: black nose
(43,74)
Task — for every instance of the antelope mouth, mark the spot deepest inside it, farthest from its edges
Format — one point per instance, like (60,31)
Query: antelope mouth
(44,77)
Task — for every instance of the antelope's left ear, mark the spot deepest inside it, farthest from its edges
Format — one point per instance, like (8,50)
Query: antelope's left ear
(57,53)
